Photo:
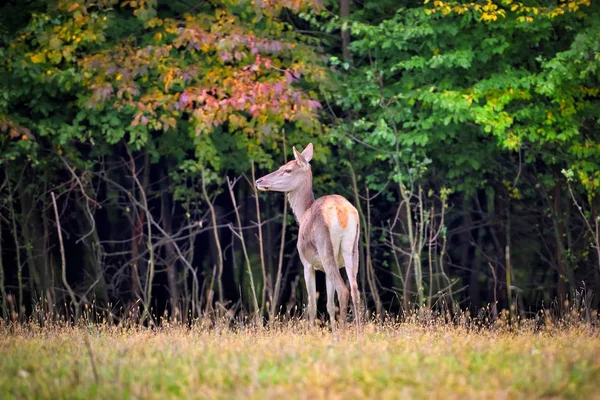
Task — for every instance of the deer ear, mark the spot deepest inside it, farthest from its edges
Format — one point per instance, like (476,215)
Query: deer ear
(308,152)
(300,159)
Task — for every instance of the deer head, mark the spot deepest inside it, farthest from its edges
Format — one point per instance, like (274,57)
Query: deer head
(291,176)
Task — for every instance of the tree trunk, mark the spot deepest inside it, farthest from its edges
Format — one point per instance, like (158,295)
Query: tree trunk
(497,232)
(138,235)
(4,299)
(31,228)
(470,264)
(92,251)
(136,238)
(170,255)
(344,13)
(49,263)
(366,256)
(15,235)
(565,276)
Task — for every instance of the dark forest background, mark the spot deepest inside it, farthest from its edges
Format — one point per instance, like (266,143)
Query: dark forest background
(130,131)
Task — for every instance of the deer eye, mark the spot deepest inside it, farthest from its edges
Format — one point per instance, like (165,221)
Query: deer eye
(287,171)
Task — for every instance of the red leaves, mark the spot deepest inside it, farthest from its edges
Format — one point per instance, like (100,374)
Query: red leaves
(14,130)
(193,37)
(217,72)
(130,89)
(314,105)
(184,100)
(100,93)
(236,45)
(288,78)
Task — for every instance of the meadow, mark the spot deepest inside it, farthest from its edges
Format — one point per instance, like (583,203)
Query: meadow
(389,360)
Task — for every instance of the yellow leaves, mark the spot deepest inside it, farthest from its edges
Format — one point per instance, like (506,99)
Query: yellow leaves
(488,17)
(513,192)
(589,91)
(439,5)
(525,19)
(38,58)
(168,80)
(158,36)
(55,57)
(236,121)
(585,179)
(563,104)
(491,11)
(167,122)
(55,43)
(154,22)
(512,141)
(205,48)
(490,6)
(556,12)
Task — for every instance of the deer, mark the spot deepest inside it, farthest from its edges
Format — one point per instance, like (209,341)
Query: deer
(329,229)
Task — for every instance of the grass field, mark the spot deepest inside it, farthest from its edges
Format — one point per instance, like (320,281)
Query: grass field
(395,361)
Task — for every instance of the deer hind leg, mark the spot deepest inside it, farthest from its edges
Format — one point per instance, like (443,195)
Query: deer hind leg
(350,256)
(351,264)
(342,292)
(332,272)
(331,301)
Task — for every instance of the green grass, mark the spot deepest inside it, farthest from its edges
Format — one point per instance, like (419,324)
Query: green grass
(392,361)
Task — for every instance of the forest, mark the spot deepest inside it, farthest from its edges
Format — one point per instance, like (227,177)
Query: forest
(466,134)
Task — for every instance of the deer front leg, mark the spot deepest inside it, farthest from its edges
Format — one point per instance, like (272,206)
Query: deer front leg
(311,288)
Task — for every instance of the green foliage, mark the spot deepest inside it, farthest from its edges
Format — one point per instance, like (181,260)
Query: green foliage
(214,86)
(454,82)
(475,103)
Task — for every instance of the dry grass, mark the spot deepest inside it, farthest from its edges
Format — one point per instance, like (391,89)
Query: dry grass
(384,361)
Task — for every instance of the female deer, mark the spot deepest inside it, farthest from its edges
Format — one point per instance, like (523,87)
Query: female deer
(328,234)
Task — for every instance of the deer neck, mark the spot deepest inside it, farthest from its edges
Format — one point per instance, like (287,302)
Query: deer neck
(301,198)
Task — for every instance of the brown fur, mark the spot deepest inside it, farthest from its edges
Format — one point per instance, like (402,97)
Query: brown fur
(342,217)
(337,206)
